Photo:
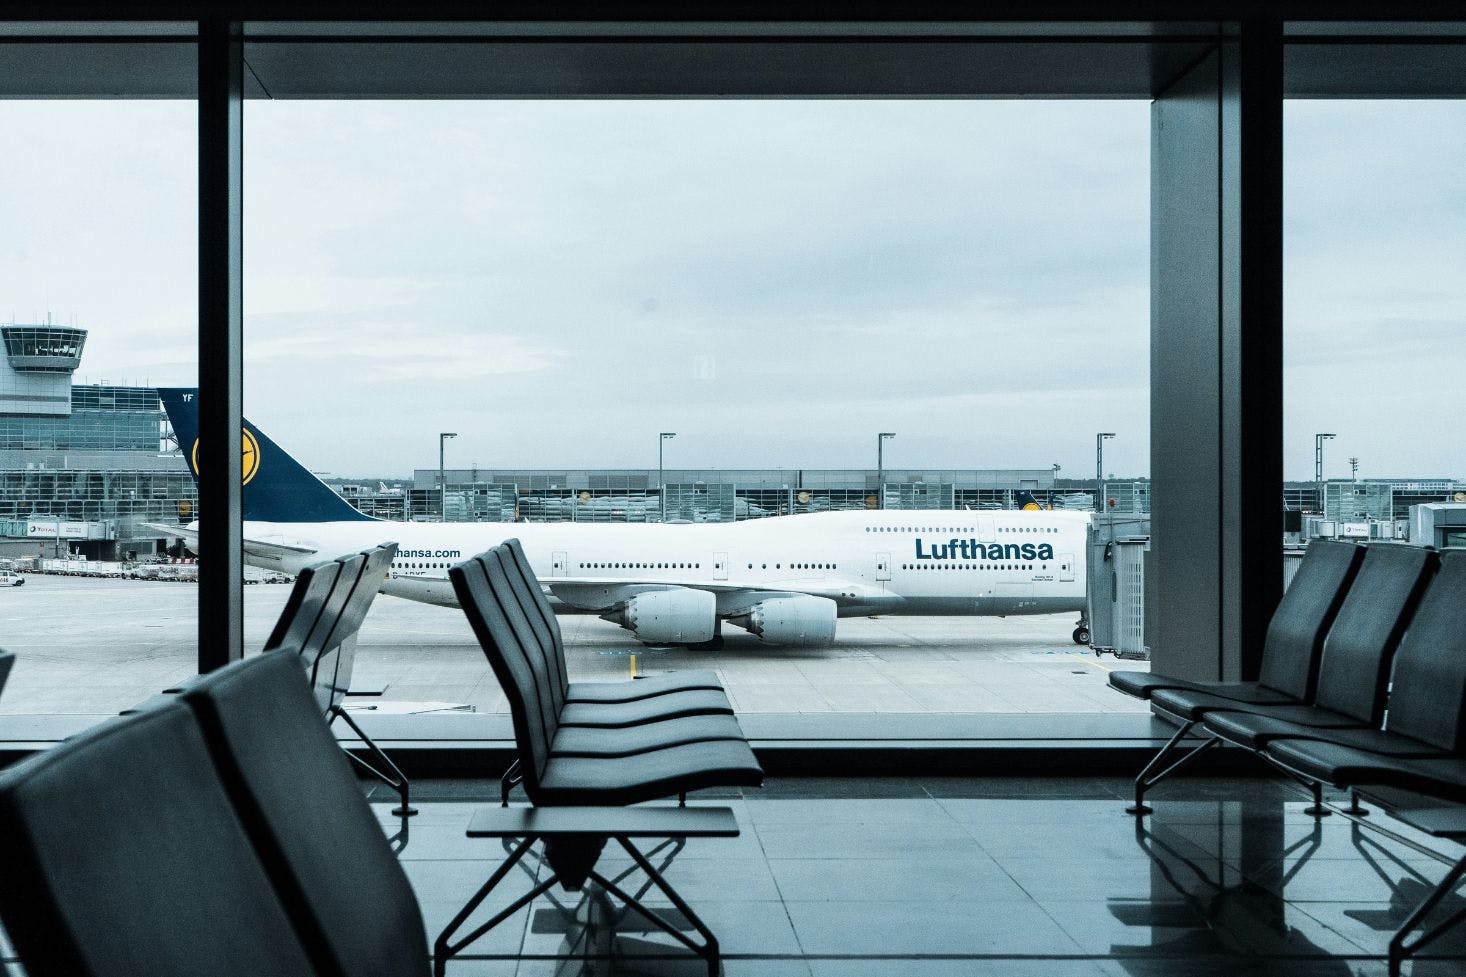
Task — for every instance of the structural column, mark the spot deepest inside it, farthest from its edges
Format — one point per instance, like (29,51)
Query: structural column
(221,313)
(1215,570)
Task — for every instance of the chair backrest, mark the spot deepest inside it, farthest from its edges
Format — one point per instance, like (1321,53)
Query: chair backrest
(1354,673)
(542,604)
(1295,635)
(340,644)
(308,598)
(123,855)
(304,811)
(6,661)
(502,576)
(541,638)
(533,728)
(1428,691)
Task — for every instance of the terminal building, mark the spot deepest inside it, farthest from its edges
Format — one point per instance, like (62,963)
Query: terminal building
(83,469)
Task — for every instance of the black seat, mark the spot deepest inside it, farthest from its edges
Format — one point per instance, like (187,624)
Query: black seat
(1294,639)
(122,855)
(6,661)
(1425,716)
(550,667)
(319,624)
(1354,670)
(309,598)
(305,814)
(546,626)
(1290,657)
(486,595)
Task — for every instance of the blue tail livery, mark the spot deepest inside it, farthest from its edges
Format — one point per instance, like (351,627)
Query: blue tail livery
(277,488)
(1026,500)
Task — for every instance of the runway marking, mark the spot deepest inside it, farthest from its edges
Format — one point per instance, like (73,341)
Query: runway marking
(1094,663)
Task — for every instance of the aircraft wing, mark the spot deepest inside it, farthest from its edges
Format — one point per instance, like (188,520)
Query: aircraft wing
(272,548)
(597,593)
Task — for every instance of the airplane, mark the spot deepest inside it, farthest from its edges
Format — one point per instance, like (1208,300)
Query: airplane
(785,579)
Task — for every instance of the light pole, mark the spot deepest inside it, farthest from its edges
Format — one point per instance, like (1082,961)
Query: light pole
(1318,440)
(662,440)
(1099,469)
(442,477)
(881,466)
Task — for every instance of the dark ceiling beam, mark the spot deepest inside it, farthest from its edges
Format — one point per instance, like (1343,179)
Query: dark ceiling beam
(996,11)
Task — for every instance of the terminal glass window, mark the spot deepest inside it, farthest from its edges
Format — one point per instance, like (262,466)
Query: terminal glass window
(98,269)
(698,349)
(1373,298)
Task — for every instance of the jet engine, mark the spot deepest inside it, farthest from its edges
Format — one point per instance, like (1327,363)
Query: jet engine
(799,619)
(677,616)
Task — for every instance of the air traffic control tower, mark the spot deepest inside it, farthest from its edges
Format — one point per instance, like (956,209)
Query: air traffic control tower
(39,362)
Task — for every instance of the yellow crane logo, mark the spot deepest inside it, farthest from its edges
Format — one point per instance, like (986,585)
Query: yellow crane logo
(250,461)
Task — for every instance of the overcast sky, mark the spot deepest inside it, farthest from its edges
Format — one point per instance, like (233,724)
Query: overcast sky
(775,281)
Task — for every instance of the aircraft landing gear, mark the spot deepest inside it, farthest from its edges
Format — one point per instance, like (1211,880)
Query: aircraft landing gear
(1081,632)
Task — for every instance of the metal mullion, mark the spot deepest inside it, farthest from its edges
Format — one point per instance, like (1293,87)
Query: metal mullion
(220,364)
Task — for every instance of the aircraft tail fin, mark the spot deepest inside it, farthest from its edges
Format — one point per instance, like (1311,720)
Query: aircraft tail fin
(277,488)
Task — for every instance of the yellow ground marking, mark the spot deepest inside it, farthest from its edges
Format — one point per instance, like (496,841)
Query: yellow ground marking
(633,666)
(1088,661)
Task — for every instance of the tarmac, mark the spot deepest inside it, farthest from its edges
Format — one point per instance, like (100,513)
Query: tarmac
(94,646)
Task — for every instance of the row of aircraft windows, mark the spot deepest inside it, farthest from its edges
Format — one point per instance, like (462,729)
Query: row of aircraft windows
(641,566)
(971,566)
(958,529)
(798,566)
(407,565)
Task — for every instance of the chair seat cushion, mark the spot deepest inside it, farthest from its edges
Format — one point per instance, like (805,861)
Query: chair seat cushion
(580,781)
(643,688)
(625,740)
(1345,766)
(1194,705)
(673,705)
(1142,685)
(1253,727)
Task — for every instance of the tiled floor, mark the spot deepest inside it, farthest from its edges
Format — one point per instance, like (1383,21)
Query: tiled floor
(920,878)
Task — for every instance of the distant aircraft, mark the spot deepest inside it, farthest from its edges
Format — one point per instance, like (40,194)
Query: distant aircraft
(785,579)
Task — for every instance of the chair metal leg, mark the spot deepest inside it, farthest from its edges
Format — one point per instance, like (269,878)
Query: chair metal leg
(390,775)
(708,950)
(1144,781)
(443,950)
(510,779)
(1400,950)
(1317,808)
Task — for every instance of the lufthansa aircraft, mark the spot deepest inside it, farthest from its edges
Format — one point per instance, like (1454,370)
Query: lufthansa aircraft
(784,579)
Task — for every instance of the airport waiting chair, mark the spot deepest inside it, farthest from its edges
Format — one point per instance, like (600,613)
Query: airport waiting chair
(304,812)
(1354,673)
(1425,714)
(1424,734)
(601,729)
(551,779)
(1353,670)
(547,630)
(1290,653)
(1294,637)
(319,624)
(123,855)
(615,711)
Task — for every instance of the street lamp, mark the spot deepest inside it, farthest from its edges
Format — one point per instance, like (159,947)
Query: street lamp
(881,466)
(662,440)
(1099,469)
(1318,440)
(442,477)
